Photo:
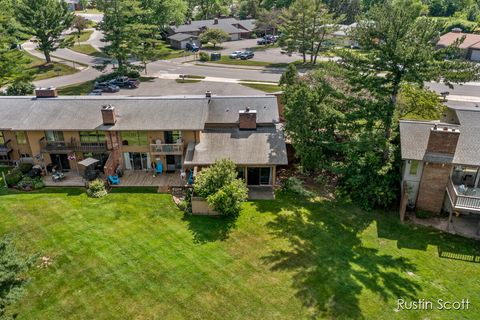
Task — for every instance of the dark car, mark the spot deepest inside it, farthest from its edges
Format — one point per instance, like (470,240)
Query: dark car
(192,47)
(246,55)
(270,38)
(106,87)
(125,82)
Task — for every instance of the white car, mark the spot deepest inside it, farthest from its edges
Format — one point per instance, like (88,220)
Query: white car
(235,54)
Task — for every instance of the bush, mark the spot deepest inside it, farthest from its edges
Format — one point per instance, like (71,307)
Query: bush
(96,189)
(25,184)
(204,57)
(20,88)
(295,185)
(25,167)
(13,177)
(219,185)
(38,183)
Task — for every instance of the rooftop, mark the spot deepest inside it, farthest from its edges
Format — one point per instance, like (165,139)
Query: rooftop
(471,40)
(229,25)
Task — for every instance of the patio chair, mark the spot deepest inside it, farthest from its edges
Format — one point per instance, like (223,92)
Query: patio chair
(114,179)
(190,177)
(159,168)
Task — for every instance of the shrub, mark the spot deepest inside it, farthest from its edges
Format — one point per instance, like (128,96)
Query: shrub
(38,183)
(26,183)
(25,167)
(13,177)
(219,185)
(204,56)
(96,189)
(295,185)
(20,88)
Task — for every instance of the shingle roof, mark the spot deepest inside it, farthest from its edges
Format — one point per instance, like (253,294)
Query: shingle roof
(226,25)
(182,36)
(83,113)
(262,146)
(414,137)
(471,40)
(225,109)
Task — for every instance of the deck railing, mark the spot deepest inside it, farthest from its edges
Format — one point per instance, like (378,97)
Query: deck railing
(4,146)
(167,148)
(52,146)
(460,201)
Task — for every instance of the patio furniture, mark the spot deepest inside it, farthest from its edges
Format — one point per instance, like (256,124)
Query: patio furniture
(159,168)
(114,180)
(58,176)
(190,177)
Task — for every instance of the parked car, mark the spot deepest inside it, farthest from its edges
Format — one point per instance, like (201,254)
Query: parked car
(270,38)
(125,82)
(246,55)
(95,92)
(192,47)
(263,41)
(106,87)
(235,54)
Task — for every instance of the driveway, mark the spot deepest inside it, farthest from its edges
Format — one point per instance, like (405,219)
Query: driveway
(163,87)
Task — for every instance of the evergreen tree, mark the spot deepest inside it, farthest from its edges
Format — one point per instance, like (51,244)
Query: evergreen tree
(46,20)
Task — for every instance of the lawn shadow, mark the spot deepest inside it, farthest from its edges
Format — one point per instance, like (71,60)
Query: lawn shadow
(329,263)
(208,229)
(69,191)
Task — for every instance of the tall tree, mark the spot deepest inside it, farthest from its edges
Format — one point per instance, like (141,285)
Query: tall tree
(46,20)
(306,26)
(164,12)
(12,278)
(214,36)
(80,23)
(267,20)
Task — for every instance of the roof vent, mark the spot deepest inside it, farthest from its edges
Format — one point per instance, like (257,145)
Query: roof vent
(108,115)
(208,94)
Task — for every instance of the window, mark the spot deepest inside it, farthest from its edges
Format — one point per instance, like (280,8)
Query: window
(413,167)
(264,175)
(92,136)
(241,173)
(134,138)
(21,137)
(54,136)
(2,138)
(24,155)
(172,136)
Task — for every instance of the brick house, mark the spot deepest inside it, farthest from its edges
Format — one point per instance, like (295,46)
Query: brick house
(441,160)
(137,133)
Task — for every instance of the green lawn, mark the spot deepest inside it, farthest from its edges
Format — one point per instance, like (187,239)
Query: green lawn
(84,36)
(88,50)
(263,87)
(79,89)
(41,70)
(133,255)
(187,80)
(254,63)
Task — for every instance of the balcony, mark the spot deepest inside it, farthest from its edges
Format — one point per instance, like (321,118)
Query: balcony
(463,198)
(168,148)
(62,146)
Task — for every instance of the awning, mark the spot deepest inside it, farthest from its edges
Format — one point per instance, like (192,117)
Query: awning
(88,162)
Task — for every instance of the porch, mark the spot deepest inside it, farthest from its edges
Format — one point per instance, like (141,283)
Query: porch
(467,226)
(463,191)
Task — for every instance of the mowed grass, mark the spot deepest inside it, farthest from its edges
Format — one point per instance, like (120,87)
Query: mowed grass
(134,255)
(42,70)
(79,89)
(263,87)
(88,50)
(254,63)
(84,36)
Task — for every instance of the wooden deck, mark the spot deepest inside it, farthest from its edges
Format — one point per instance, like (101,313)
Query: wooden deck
(147,179)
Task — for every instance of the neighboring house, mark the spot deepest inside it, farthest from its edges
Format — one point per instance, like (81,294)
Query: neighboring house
(73,5)
(441,160)
(343,35)
(236,29)
(138,133)
(179,40)
(470,45)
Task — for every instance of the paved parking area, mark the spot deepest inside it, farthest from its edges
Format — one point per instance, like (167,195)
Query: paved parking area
(162,87)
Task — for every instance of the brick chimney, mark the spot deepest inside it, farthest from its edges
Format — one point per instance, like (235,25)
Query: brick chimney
(247,119)
(108,115)
(49,92)
(215,21)
(443,140)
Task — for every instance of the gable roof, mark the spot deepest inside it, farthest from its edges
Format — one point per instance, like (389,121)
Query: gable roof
(182,36)
(414,135)
(225,109)
(472,41)
(228,25)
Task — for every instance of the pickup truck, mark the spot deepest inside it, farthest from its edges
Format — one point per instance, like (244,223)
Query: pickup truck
(125,82)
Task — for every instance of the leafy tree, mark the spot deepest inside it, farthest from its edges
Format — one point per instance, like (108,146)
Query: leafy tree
(20,88)
(290,76)
(305,27)
(208,9)
(83,4)
(220,186)
(46,20)
(267,20)
(416,102)
(214,36)
(249,9)
(12,274)
(13,63)
(79,24)
(162,13)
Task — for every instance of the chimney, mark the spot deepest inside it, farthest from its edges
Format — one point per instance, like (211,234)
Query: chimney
(247,119)
(108,115)
(443,140)
(208,94)
(215,21)
(49,92)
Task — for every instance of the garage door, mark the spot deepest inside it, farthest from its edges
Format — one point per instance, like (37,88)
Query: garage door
(475,55)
